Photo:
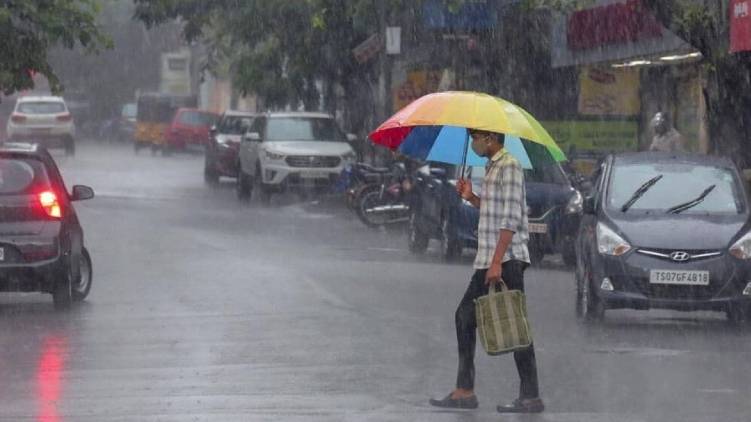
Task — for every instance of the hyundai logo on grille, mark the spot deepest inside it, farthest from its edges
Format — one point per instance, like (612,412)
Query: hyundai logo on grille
(680,256)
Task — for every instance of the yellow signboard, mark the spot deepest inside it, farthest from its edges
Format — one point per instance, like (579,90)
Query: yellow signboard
(418,83)
(609,92)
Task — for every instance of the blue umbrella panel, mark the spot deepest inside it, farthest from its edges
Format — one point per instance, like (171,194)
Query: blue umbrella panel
(449,144)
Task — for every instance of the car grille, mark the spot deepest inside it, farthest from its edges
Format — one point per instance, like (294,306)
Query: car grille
(313,161)
(680,256)
(659,291)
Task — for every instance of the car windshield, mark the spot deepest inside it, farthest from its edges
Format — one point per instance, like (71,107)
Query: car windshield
(41,107)
(681,183)
(235,125)
(21,176)
(197,118)
(130,111)
(303,129)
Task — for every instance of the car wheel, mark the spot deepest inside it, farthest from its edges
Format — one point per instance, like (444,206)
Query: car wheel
(210,175)
(416,239)
(264,192)
(738,314)
(244,186)
(62,294)
(70,146)
(589,307)
(82,287)
(451,247)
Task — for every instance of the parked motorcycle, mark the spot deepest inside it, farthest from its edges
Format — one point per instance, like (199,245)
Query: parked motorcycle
(385,203)
(358,177)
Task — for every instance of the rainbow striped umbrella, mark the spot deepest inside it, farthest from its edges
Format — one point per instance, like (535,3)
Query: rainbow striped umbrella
(435,128)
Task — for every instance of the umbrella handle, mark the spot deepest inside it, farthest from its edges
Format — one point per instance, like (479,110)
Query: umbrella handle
(464,155)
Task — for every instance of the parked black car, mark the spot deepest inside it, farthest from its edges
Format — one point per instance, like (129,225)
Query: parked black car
(439,213)
(41,240)
(665,231)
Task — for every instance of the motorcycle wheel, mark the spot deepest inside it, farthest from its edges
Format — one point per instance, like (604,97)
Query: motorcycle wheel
(367,200)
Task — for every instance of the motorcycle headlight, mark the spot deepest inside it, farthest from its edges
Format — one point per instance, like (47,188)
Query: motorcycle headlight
(609,242)
(742,248)
(575,204)
(273,156)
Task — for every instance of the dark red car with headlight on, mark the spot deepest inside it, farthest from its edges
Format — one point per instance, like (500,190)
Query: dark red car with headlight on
(41,239)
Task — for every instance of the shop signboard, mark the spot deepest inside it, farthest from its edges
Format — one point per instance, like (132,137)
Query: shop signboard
(469,14)
(610,31)
(417,84)
(740,25)
(594,135)
(368,49)
(609,92)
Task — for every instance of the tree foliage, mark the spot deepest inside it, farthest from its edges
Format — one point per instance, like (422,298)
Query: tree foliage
(280,49)
(29,29)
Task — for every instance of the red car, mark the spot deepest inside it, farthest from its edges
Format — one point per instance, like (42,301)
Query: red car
(190,127)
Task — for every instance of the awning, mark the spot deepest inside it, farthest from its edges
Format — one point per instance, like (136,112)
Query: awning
(620,32)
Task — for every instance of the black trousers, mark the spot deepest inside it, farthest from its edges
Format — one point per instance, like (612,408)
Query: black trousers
(466,334)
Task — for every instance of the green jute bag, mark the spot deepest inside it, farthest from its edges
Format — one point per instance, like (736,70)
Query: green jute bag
(502,321)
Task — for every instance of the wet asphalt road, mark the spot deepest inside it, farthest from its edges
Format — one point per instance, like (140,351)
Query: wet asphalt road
(203,309)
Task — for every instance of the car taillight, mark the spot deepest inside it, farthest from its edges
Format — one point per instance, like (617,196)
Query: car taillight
(17,118)
(50,204)
(64,117)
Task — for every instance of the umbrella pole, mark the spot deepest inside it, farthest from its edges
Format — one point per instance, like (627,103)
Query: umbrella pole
(464,155)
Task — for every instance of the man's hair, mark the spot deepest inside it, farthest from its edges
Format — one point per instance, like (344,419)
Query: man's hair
(500,137)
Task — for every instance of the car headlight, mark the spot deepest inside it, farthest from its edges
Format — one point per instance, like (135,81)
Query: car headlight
(349,157)
(742,248)
(609,242)
(273,156)
(575,204)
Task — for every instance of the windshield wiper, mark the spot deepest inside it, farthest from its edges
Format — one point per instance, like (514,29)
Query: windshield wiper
(640,192)
(690,204)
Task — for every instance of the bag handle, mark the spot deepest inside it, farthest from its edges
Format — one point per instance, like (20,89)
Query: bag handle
(504,287)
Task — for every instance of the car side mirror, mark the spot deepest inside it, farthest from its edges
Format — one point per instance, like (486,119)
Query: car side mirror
(438,172)
(252,137)
(589,205)
(351,138)
(81,193)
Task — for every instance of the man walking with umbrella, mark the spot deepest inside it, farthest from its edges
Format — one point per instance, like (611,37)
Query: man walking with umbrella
(502,254)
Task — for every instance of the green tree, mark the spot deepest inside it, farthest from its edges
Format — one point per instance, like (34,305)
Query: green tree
(282,50)
(29,29)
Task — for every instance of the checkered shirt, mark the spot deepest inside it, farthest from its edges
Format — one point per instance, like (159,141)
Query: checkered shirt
(503,206)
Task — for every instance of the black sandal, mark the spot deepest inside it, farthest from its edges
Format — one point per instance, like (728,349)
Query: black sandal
(449,403)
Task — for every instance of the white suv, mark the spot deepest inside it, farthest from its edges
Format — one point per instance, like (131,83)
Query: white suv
(298,151)
(42,120)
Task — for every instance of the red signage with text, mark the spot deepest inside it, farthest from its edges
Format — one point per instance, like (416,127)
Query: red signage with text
(740,25)
(617,23)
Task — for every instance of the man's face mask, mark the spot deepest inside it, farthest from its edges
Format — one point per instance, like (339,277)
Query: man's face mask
(480,144)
